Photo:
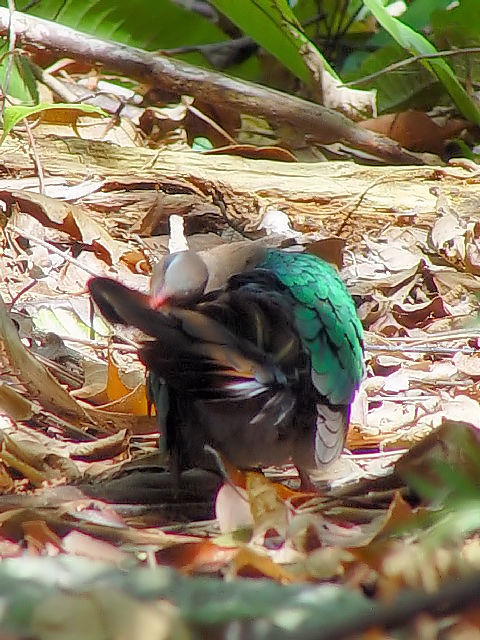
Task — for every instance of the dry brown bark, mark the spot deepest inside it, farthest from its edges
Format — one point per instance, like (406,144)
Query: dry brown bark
(330,195)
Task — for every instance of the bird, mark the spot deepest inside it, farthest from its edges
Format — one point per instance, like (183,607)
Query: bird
(257,358)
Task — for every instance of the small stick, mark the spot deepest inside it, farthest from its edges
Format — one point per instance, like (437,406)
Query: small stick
(177,240)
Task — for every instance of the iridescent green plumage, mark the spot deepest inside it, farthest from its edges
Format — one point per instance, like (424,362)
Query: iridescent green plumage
(326,320)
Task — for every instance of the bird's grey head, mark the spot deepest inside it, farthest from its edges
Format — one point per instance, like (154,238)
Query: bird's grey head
(180,278)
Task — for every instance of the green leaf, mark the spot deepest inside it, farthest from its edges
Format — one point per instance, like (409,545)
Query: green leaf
(400,89)
(274,26)
(147,24)
(21,82)
(201,144)
(13,115)
(459,27)
(416,44)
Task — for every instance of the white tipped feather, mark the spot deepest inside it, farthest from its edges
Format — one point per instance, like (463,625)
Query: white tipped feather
(329,436)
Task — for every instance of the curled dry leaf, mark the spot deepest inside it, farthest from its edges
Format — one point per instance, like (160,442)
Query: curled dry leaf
(112,388)
(253,563)
(191,557)
(34,376)
(267,508)
(35,461)
(232,509)
(415,130)
(13,404)
(102,449)
(447,238)
(70,218)
(81,544)
(469,364)
(251,151)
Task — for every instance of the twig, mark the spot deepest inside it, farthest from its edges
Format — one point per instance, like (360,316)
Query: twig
(36,157)
(129,347)
(418,349)
(358,199)
(54,84)
(441,336)
(53,249)
(29,286)
(211,123)
(399,398)
(403,63)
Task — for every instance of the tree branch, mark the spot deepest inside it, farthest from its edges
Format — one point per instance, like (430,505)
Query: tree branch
(316,122)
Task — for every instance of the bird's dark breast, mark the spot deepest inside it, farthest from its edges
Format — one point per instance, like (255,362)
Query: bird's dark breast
(268,428)
(233,431)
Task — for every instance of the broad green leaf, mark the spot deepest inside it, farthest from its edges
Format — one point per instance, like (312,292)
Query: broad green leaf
(13,115)
(416,44)
(147,24)
(417,16)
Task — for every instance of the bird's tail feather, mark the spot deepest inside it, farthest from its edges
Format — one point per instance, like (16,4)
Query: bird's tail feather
(331,431)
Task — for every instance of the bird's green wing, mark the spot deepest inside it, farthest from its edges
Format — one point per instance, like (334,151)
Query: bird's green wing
(326,319)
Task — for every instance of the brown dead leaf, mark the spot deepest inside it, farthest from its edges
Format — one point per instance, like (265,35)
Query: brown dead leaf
(447,238)
(250,563)
(472,240)
(419,315)
(112,421)
(34,461)
(6,481)
(415,130)
(13,404)
(327,563)
(267,508)
(192,557)
(399,513)
(329,249)
(36,378)
(469,364)
(160,123)
(40,538)
(253,152)
(70,218)
(399,252)
(110,387)
(103,449)
(81,544)
(134,400)
(132,403)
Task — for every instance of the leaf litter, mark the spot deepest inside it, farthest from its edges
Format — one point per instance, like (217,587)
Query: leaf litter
(85,485)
